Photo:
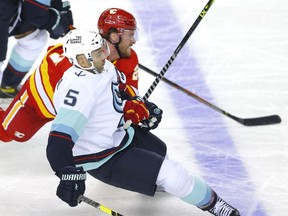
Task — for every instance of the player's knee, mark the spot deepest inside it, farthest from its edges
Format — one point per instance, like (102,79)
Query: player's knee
(174,178)
(33,42)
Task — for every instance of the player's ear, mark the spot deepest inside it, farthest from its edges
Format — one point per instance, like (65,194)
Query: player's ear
(114,37)
(82,61)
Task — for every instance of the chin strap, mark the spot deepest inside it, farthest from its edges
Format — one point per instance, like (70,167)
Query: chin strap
(116,45)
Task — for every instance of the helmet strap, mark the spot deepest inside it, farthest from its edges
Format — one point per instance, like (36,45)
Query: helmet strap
(116,44)
(117,47)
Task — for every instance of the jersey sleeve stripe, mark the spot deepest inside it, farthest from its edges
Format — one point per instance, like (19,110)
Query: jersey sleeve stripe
(14,110)
(41,87)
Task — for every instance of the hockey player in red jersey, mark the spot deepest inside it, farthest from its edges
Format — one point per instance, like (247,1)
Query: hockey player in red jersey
(119,28)
(33,103)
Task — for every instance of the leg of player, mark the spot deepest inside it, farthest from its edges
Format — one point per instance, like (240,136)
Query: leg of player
(175,179)
(23,55)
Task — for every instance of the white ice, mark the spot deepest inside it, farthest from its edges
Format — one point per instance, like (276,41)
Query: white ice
(237,59)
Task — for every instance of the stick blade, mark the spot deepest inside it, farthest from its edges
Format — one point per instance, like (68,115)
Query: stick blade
(266,120)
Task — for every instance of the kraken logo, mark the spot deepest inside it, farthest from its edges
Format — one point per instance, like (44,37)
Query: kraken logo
(117,101)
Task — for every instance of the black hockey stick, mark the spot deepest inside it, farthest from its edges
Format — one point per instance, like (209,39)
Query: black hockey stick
(180,46)
(174,55)
(265,120)
(98,205)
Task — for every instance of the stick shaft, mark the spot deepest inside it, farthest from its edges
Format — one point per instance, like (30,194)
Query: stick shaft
(98,206)
(174,55)
(180,46)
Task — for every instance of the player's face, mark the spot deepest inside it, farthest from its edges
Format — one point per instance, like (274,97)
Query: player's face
(99,56)
(128,38)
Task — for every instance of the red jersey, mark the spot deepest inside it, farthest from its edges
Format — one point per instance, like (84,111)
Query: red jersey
(33,105)
(43,81)
(129,66)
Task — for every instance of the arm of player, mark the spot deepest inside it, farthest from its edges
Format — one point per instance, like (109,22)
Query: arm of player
(7,11)
(127,91)
(57,21)
(72,179)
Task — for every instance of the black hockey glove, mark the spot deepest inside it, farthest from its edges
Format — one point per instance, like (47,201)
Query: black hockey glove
(72,184)
(60,5)
(65,10)
(155,116)
(61,21)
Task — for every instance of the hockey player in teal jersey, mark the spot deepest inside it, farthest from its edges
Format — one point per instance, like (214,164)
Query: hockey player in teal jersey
(87,135)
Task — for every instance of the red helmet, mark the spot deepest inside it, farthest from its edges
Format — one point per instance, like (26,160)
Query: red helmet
(115,18)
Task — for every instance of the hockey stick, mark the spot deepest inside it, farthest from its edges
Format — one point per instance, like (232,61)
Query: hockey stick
(174,55)
(98,206)
(180,46)
(265,120)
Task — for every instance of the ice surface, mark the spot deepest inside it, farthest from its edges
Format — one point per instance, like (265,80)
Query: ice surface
(237,60)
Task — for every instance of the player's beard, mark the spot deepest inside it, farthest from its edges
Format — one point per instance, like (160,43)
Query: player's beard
(125,51)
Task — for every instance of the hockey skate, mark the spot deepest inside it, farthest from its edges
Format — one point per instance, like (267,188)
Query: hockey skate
(221,208)
(8,92)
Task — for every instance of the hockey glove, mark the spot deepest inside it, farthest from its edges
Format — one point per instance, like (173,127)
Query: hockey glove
(135,110)
(61,22)
(72,184)
(65,10)
(155,116)
(60,5)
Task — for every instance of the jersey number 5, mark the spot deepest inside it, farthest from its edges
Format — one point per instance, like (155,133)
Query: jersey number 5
(71,97)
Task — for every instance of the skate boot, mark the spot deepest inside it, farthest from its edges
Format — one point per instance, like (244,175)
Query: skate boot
(222,208)
(8,92)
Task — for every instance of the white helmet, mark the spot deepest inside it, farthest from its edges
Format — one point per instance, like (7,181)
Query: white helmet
(83,41)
